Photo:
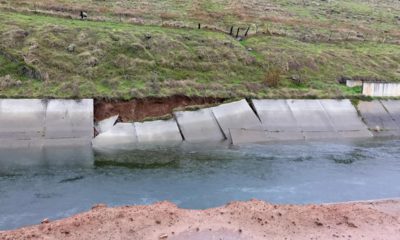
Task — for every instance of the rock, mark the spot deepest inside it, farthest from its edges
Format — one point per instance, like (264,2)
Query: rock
(98,206)
(163,236)
(71,48)
(44,221)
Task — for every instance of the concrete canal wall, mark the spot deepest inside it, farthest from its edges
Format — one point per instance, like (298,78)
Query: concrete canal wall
(381,89)
(382,117)
(260,121)
(33,122)
(30,122)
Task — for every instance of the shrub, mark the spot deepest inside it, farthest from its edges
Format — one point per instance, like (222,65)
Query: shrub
(272,77)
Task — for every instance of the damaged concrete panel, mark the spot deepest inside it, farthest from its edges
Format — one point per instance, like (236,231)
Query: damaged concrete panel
(236,115)
(242,136)
(120,133)
(310,115)
(69,119)
(393,108)
(22,118)
(106,124)
(158,132)
(198,126)
(275,115)
(343,115)
(376,117)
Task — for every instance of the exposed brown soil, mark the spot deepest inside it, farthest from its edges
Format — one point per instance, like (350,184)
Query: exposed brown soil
(237,220)
(139,109)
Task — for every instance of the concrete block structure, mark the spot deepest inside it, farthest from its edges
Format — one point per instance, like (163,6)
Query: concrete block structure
(22,119)
(380,120)
(119,134)
(69,119)
(38,122)
(159,131)
(236,115)
(199,126)
(381,89)
(106,124)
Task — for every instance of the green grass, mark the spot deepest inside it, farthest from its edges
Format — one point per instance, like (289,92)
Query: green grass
(121,60)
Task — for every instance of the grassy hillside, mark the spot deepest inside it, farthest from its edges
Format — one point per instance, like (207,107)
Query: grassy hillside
(300,49)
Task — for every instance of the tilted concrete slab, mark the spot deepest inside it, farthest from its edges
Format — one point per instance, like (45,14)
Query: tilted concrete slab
(120,133)
(106,124)
(198,126)
(69,119)
(22,118)
(310,115)
(393,107)
(242,136)
(343,115)
(236,115)
(376,117)
(275,115)
(158,132)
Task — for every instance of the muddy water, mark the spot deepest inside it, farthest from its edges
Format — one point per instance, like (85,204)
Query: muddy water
(62,182)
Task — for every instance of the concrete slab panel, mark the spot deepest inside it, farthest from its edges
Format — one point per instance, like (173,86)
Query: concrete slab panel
(376,116)
(120,133)
(343,115)
(275,115)
(158,132)
(22,118)
(381,89)
(236,115)
(310,115)
(242,136)
(106,124)
(198,126)
(69,119)
(393,107)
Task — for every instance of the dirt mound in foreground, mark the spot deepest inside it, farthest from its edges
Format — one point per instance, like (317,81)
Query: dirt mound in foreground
(238,220)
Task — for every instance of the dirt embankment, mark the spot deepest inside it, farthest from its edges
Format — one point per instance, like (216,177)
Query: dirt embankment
(140,109)
(237,220)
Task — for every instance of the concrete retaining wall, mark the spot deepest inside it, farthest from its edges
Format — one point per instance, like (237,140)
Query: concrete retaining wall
(40,121)
(274,120)
(381,117)
(236,115)
(381,89)
(199,126)
(158,132)
(29,122)
(119,134)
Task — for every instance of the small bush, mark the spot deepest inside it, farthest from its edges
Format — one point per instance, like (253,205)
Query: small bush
(273,77)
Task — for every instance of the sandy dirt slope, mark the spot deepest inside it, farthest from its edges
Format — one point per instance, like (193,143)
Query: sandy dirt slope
(238,220)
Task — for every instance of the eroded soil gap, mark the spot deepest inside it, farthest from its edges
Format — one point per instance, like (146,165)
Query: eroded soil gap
(148,108)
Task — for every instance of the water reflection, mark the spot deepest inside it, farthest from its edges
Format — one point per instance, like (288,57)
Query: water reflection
(45,155)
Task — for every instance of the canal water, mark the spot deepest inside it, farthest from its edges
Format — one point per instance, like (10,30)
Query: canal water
(59,182)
